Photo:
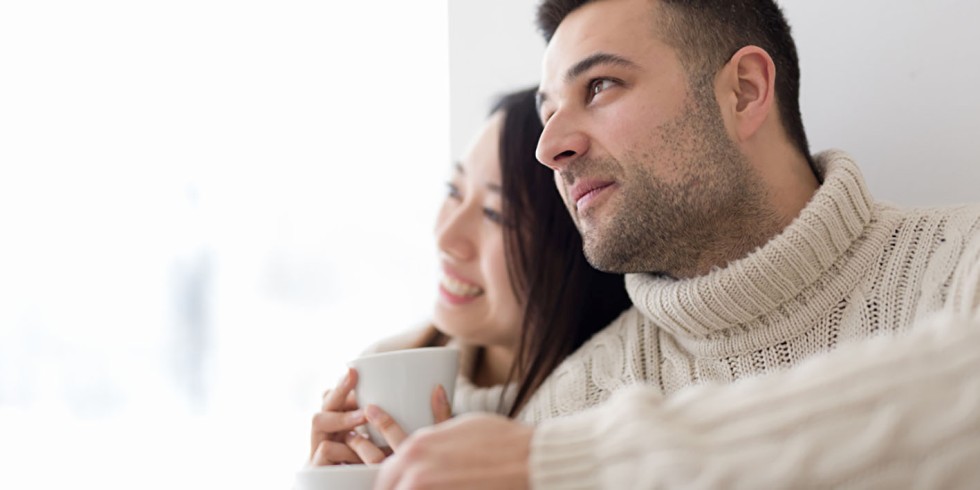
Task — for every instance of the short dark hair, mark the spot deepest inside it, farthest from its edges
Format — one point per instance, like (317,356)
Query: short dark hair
(706,33)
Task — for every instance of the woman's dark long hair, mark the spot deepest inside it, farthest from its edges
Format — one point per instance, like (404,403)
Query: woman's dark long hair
(566,300)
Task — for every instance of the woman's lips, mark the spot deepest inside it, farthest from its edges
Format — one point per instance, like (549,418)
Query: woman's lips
(458,291)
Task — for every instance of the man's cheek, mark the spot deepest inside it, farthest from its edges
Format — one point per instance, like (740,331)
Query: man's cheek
(560,185)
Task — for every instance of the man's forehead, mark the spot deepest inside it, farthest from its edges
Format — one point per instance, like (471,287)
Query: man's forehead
(618,27)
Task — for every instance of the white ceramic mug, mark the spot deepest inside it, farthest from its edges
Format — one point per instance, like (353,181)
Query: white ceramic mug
(401,383)
(337,477)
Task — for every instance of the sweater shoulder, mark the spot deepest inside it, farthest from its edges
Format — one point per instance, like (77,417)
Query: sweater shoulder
(963,217)
(622,354)
(964,294)
(628,319)
(936,250)
(613,340)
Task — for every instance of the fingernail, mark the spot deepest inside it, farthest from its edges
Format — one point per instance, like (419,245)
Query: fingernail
(443,398)
(373,413)
(355,416)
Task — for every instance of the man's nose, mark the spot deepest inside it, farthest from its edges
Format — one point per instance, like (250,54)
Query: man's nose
(561,142)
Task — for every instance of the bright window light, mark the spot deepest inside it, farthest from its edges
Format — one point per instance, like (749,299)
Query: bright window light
(206,208)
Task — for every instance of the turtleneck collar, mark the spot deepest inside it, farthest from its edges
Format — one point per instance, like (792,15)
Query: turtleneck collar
(709,306)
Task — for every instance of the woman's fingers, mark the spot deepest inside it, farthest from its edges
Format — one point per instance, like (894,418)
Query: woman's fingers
(349,404)
(340,415)
(338,421)
(441,410)
(365,449)
(338,398)
(327,423)
(385,425)
(330,452)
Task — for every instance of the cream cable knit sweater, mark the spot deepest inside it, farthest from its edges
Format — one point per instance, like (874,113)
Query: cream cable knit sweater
(882,391)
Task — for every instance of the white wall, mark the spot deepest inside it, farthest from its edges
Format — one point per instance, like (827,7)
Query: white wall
(892,82)
(493,48)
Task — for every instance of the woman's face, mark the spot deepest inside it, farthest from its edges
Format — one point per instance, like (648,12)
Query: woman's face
(476,301)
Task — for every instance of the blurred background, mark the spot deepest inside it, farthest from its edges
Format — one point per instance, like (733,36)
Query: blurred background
(207,207)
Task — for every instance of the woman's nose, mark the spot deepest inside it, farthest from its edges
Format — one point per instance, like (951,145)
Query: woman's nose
(454,236)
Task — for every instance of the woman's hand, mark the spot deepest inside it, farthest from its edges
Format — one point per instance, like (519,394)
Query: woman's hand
(333,424)
(391,431)
(333,440)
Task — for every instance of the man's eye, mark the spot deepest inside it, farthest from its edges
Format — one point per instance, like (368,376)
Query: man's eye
(598,85)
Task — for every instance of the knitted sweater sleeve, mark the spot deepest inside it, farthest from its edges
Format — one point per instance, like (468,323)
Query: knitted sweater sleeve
(890,412)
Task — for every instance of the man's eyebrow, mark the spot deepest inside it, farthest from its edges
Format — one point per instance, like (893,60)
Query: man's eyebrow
(583,66)
(459,167)
(493,187)
(595,60)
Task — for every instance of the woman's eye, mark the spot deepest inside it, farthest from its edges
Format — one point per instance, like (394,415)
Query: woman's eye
(598,85)
(452,191)
(544,118)
(493,215)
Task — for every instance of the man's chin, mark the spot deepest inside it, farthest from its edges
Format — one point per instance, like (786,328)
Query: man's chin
(588,225)
(596,253)
(614,255)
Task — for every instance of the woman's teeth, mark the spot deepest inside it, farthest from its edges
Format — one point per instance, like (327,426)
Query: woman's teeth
(460,289)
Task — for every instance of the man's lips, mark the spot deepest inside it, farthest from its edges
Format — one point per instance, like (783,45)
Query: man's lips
(585,190)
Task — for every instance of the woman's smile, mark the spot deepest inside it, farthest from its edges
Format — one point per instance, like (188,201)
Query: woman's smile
(458,291)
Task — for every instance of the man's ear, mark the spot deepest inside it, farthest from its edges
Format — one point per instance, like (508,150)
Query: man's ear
(747,83)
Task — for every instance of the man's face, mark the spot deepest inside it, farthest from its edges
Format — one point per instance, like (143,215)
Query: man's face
(640,153)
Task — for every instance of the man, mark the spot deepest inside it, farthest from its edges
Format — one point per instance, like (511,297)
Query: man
(788,330)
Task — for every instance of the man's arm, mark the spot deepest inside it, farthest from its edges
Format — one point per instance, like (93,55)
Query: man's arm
(902,411)
(471,451)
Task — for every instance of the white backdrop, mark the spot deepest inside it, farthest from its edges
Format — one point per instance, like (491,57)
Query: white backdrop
(894,82)
(206,208)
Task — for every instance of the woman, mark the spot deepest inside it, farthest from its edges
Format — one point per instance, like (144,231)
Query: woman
(516,293)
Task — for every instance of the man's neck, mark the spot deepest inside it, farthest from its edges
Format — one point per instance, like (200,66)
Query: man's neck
(789,184)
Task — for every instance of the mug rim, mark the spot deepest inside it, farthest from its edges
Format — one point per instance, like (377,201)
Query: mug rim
(403,352)
(342,468)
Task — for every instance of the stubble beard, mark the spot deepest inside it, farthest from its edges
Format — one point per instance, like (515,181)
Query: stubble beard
(713,210)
